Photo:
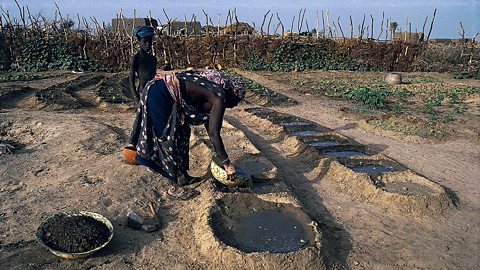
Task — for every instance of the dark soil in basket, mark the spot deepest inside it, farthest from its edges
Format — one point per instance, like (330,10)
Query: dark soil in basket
(75,234)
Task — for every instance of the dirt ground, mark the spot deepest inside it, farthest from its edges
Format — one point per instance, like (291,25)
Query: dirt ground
(68,139)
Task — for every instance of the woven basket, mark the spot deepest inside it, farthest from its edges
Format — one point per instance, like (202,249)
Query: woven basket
(76,255)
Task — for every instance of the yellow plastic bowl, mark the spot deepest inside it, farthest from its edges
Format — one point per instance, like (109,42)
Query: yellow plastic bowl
(76,255)
(129,153)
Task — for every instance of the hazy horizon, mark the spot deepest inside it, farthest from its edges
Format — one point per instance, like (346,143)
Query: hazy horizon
(449,13)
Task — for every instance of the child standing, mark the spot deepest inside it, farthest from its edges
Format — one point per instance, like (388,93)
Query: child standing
(143,64)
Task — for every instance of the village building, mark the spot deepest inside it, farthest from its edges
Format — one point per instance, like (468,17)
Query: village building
(128,24)
(181,28)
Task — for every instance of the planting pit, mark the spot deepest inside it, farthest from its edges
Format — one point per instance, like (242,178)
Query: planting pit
(372,166)
(261,226)
(341,153)
(305,132)
(257,166)
(267,230)
(268,186)
(324,141)
(344,151)
(259,110)
(371,169)
(405,188)
(402,190)
(294,123)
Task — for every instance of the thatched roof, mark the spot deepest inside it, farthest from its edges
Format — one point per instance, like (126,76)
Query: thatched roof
(179,28)
(240,28)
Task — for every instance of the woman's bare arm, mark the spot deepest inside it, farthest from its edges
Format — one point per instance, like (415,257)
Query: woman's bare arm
(214,125)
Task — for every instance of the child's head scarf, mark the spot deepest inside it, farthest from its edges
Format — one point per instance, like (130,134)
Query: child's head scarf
(143,31)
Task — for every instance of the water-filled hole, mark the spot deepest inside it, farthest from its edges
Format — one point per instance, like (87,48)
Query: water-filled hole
(294,123)
(270,231)
(343,153)
(305,132)
(371,168)
(405,188)
(324,143)
(253,225)
(258,110)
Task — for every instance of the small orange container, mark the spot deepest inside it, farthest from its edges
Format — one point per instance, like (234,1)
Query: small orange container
(129,152)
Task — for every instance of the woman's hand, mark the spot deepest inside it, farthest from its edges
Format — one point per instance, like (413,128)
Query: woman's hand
(231,171)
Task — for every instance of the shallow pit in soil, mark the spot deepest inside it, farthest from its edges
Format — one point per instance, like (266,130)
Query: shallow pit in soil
(305,132)
(269,230)
(324,143)
(343,153)
(251,225)
(405,188)
(268,186)
(294,123)
(371,168)
(259,110)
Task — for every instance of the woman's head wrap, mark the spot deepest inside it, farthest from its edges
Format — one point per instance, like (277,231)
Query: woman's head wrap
(235,85)
(143,31)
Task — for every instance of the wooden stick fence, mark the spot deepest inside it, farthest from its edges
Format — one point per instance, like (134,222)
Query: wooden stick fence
(117,41)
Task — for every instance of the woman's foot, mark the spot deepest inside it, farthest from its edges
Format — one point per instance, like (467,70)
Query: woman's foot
(180,193)
(186,180)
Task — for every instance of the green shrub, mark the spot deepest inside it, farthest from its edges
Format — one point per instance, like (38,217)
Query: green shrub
(40,54)
(299,56)
(370,97)
(255,63)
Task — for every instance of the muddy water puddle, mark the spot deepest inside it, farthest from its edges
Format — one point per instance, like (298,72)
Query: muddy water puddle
(294,123)
(305,132)
(258,110)
(324,143)
(405,188)
(371,168)
(344,153)
(270,231)
(250,224)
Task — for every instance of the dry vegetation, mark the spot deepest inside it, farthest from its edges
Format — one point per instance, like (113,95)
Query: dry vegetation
(34,43)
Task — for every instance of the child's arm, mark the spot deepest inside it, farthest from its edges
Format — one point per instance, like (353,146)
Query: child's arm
(132,76)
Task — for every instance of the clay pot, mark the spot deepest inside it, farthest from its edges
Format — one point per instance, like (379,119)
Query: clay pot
(394,78)
(129,153)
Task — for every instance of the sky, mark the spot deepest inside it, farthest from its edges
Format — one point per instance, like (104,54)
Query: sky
(449,13)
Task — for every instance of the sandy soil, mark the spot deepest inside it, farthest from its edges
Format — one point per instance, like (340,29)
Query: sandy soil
(67,159)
